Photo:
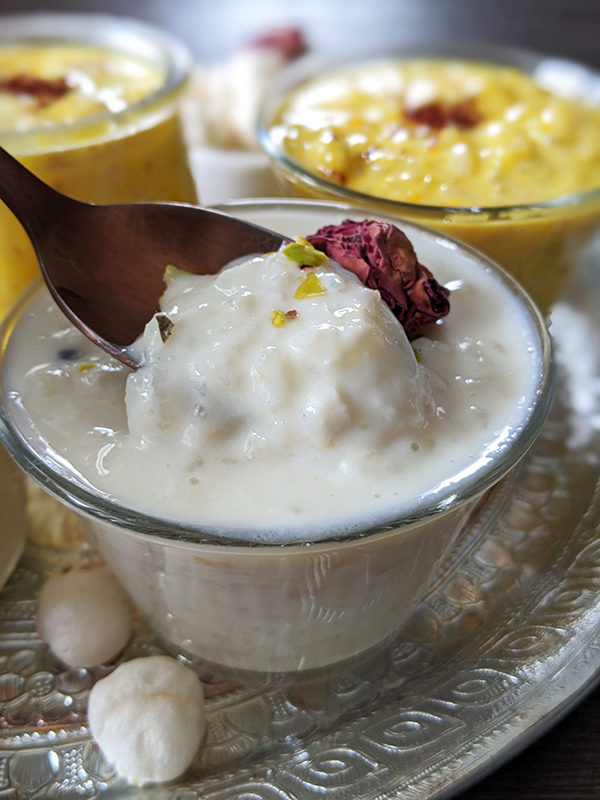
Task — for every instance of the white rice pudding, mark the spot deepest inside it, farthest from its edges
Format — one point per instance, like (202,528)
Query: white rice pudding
(283,428)
(316,423)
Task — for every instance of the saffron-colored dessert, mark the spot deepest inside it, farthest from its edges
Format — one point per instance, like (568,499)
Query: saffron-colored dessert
(486,152)
(91,119)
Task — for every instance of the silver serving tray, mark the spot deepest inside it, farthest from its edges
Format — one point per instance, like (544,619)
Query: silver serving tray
(507,640)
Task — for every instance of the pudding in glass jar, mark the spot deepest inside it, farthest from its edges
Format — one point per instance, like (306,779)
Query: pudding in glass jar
(89,103)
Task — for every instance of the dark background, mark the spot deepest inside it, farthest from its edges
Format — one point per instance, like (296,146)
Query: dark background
(212,27)
(565,763)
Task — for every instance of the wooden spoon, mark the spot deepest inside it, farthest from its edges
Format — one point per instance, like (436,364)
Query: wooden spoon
(104,264)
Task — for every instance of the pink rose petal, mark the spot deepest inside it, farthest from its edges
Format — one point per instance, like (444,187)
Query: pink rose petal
(383,258)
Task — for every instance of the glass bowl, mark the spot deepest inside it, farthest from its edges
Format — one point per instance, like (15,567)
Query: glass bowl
(264,612)
(14,518)
(132,151)
(537,240)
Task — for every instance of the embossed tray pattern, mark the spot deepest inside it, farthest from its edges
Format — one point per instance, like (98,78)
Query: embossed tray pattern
(507,640)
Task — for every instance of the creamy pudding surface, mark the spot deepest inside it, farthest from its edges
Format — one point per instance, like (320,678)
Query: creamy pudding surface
(279,403)
(90,117)
(45,85)
(442,132)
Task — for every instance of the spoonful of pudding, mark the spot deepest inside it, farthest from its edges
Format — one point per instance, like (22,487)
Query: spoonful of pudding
(104,264)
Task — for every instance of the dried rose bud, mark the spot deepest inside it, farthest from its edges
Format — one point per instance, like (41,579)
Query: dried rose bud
(43,90)
(287,41)
(381,255)
(437,115)
(279,318)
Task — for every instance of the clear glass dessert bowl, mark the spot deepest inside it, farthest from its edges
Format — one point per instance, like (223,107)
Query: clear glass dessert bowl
(90,104)
(474,158)
(318,599)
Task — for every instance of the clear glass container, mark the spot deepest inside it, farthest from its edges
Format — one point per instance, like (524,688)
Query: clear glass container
(273,612)
(133,152)
(538,242)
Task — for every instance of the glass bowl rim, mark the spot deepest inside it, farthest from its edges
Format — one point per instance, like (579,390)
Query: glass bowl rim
(305,67)
(103,30)
(92,503)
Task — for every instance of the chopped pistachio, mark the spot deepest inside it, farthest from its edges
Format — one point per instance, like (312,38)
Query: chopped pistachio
(85,365)
(171,271)
(304,253)
(310,287)
(277,318)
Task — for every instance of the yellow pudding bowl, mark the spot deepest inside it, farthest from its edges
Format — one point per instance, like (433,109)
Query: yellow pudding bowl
(89,103)
(497,147)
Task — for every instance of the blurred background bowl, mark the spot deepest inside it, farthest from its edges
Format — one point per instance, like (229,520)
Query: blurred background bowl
(135,153)
(538,241)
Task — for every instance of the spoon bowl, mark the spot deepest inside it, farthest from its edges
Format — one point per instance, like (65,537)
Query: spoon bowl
(104,264)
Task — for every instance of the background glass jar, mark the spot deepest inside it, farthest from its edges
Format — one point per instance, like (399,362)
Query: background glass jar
(314,112)
(129,148)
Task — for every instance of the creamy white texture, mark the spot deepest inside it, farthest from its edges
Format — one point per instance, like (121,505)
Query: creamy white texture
(321,425)
(238,380)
